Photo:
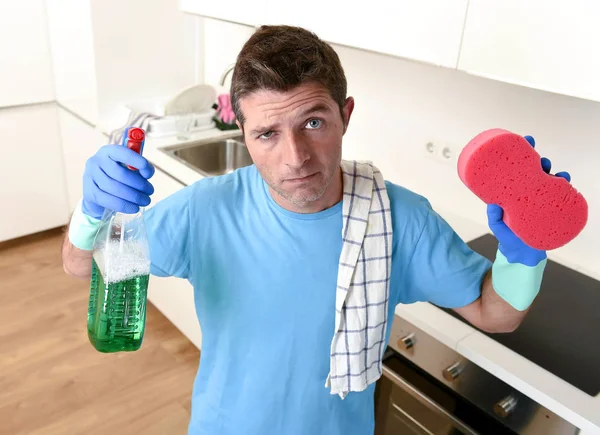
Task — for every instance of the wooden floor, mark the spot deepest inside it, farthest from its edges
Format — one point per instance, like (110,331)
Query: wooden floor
(52,381)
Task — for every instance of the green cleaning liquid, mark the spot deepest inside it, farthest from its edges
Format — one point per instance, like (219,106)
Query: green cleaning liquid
(117,307)
(116,316)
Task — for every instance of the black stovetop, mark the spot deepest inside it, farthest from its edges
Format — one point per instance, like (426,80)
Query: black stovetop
(561,331)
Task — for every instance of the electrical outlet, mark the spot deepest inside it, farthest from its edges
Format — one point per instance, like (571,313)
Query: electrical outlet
(441,152)
(430,149)
(447,154)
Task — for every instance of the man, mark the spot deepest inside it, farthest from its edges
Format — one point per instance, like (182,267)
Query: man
(262,248)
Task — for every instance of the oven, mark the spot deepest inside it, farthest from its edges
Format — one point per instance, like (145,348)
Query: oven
(408,402)
(428,388)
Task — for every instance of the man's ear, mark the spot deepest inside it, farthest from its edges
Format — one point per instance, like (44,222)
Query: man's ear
(347,111)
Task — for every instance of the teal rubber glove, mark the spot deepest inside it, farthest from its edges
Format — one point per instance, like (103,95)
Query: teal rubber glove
(518,268)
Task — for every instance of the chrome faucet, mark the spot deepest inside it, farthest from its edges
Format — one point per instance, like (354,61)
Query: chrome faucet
(226,73)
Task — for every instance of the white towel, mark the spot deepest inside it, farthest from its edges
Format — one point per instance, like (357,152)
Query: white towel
(135,119)
(362,294)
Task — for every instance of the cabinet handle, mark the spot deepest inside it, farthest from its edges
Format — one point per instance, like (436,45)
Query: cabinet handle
(452,372)
(407,341)
(506,406)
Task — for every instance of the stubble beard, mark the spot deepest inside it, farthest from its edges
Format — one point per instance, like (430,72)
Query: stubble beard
(302,201)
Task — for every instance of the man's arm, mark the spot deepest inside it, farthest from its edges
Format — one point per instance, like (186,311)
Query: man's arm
(493,296)
(509,287)
(76,262)
(490,312)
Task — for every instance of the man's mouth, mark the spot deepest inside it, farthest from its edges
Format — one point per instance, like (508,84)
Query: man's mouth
(301,179)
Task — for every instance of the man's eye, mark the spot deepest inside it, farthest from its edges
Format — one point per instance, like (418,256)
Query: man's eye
(266,135)
(314,123)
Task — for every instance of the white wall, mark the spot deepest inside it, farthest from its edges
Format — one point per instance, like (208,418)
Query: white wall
(143,49)
(400,105)
(222,43)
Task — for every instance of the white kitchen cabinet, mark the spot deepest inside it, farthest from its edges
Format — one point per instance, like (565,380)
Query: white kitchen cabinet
(80,141)
(72,49)
(427,30)
(174,297)
(551,46)
(25,75)
(247,12)
(32,184)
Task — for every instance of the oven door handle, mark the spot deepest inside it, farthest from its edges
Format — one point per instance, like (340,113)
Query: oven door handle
(407,387)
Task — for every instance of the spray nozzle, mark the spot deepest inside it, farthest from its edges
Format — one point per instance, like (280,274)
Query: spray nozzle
(134,139)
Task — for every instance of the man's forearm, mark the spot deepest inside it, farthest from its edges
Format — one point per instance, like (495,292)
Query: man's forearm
(490,312)
(497,314)
(76,262)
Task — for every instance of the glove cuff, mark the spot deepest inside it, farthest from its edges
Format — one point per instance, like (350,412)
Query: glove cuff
(83,229)
(528,257)
(516,283)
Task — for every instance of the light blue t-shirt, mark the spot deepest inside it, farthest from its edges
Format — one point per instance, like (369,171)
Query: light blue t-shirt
(265,284)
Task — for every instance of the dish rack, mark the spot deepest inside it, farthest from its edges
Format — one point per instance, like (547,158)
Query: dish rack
(166,124)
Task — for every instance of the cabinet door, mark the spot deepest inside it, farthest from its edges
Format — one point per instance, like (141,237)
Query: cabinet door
(25,75)
(174,297)
(251,13)
(425,30)
(32,184)
(79,142)
(545,45)
(72,49)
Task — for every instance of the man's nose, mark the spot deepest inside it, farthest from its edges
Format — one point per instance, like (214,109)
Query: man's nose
(297,152)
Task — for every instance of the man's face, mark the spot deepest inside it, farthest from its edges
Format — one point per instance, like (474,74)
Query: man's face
(295,140)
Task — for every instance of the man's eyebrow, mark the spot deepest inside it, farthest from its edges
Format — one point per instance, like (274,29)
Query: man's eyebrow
(318,107)
(259,129)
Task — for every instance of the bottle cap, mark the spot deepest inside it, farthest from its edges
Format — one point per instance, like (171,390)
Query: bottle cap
(134,139)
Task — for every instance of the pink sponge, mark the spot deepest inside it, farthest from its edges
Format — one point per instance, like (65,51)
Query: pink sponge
(543,210)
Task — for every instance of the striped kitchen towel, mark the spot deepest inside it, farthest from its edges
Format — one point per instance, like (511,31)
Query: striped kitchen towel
(135,119)
(362,294)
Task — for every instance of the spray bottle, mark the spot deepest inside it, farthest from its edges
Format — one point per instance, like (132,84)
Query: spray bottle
(120,274)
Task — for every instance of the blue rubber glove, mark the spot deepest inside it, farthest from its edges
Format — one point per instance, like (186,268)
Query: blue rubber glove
(109,185)
(518,268)
(510,245)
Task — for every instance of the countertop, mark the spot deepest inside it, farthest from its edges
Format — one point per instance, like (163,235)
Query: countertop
(540,385)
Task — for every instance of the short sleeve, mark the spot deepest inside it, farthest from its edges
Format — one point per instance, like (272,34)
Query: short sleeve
(443,269)
(168,229)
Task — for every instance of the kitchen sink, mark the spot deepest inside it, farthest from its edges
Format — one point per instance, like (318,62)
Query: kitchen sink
(211,157)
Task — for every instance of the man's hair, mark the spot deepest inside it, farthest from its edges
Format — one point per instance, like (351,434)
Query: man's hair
(281,58)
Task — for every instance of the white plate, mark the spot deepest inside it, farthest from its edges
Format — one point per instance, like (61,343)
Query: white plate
(195,99)
(167,124)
